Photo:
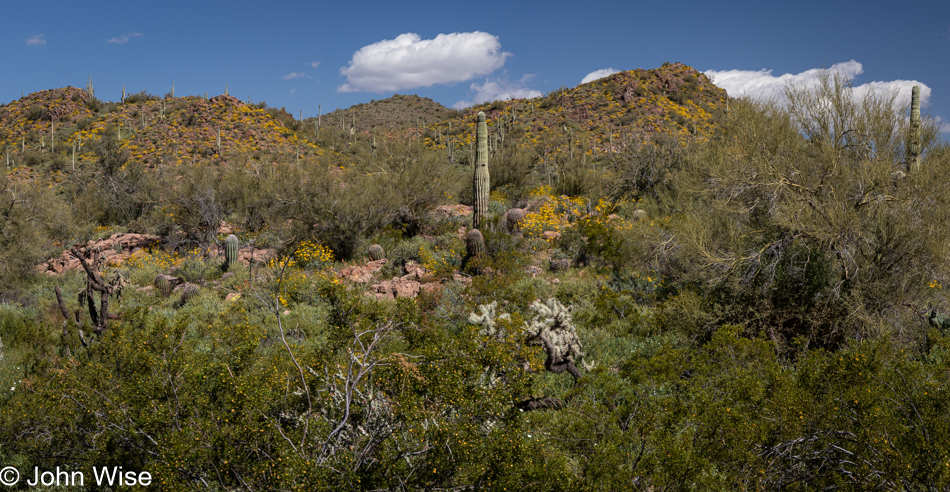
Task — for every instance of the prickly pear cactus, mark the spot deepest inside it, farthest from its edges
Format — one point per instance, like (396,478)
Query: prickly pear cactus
(481,171)
(230,251)
(939,320)
(376,252)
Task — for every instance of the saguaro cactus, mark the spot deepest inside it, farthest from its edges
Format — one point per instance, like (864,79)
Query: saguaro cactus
(230,251)
(913,140)
(481,171)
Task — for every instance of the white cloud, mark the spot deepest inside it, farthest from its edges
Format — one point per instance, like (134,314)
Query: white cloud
(942,124)
(409,61)
(296,75)
(36,40)
(762,85)
(293,91)
(315,64)
(498,89)
(125,37)
(598,74)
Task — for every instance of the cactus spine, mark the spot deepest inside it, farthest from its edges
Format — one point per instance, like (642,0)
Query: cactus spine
(481,171)
(376,252)
(230,251)
(913,140)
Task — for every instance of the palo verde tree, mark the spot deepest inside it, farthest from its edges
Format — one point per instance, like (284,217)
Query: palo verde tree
(800,222)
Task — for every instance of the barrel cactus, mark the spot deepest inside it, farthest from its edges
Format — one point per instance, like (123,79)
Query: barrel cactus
(474,243)
(188,292)
(230,251)
(474,249)
(164,284)
(376,252)
(513,219)
(481,171)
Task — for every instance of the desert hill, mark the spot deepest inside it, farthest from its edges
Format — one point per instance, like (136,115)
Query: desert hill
(54,129)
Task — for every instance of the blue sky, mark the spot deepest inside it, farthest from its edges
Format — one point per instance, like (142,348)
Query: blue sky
(335,54)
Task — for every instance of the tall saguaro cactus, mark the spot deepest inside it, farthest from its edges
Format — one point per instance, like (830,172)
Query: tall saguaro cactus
(481,171)
(913,140)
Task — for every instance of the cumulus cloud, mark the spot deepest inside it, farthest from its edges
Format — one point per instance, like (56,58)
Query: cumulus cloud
(942,124)
(498,89)
(296,75)
(125,37)
(409,61)
(598,74)
(762,85)
(315,64)
(36,40)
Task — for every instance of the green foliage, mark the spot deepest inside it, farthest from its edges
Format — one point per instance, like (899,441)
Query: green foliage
(813,237)
(35,220)
(764,311)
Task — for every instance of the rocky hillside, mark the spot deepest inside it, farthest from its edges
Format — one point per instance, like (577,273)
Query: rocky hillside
(393,113)
(607,114)
(52,129)
(48,125)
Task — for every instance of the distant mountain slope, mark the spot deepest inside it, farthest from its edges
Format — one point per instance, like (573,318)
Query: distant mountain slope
(153,130)
(606,114)
(396,112)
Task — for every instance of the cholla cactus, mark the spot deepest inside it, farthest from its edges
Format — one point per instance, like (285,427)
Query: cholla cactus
(486,319)
(553,328)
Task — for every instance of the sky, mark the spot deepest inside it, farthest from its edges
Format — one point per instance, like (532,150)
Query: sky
(320,56)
